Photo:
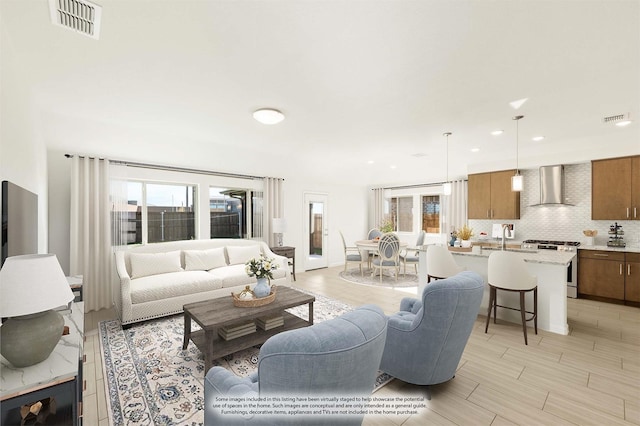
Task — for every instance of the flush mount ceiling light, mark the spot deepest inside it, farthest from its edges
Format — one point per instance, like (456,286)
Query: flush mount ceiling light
(268,116)
(516,180)
(497,132)
(537,138)
(623,123)
(447,185)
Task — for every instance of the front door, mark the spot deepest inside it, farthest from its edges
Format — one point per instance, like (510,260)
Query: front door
(316,231)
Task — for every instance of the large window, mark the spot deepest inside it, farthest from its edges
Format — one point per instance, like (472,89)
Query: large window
(401,213)
(155,212)
(431,214)
(227,212)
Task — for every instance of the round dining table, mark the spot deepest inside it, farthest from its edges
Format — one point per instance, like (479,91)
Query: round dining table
(371,246)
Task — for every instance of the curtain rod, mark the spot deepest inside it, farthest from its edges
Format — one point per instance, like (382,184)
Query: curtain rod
(173,168)
(417,185)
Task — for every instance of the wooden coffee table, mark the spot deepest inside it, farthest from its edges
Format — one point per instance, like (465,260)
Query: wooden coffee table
(212,314)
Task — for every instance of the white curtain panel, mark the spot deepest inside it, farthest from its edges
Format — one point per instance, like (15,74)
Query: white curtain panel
(456,207)
(378,206)
(90,250)
(273,207)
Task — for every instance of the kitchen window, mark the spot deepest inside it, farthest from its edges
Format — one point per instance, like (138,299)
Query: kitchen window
(431,214)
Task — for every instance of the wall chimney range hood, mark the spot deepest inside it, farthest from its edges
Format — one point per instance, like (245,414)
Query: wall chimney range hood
(552,186)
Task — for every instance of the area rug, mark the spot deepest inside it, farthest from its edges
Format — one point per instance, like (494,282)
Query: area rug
(150,380)
(388,280)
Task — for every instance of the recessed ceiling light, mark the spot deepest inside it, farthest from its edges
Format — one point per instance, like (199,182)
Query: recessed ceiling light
(393,166)
(268,116)
(537,138)
(497,132)
(624,123)
(475,149)
(370,162)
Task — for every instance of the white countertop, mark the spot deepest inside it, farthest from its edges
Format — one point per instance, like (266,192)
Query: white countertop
(554,257)
(628,248)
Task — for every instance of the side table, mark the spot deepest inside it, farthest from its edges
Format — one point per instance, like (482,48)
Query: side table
(58,377)
(288,252)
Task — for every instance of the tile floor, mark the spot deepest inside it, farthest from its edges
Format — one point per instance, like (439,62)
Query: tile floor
(591,376)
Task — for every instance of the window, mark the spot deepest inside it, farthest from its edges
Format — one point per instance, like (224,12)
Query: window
(227,212)
(401,213)
(431,214)
(154,212)
(170,212)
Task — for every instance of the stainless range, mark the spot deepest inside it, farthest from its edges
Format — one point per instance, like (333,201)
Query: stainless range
(572,270)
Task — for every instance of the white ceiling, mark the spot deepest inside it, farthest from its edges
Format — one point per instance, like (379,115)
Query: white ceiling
(175,82)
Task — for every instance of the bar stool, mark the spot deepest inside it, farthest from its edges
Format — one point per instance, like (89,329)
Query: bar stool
(440,263)
(508,272)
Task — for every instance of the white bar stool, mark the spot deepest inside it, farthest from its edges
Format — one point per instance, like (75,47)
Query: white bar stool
(508,272)
(440,263)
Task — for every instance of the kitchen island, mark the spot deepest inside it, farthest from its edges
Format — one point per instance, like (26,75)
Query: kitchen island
(549,266)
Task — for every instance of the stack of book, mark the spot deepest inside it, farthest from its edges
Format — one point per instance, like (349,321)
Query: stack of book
(267,323)
(238,330)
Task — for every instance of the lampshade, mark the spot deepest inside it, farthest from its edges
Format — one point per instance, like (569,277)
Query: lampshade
(32,283)
(268,116)
(447,188)
(279,225)
(516,182)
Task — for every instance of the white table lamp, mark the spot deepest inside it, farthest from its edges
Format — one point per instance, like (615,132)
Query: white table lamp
(279,226)
(30,287)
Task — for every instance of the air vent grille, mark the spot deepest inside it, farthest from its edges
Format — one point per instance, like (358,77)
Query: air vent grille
(77,15)
(615,118)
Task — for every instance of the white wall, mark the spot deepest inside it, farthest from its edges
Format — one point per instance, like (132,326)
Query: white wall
(347,212)
(22,151)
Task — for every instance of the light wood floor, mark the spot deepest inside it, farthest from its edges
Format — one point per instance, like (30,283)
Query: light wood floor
(590,377)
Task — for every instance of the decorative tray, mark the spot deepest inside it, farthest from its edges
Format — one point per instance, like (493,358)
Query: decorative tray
(253,301)
(460,249)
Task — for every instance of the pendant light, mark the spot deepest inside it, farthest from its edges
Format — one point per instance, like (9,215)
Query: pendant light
(516,180)
(447,184)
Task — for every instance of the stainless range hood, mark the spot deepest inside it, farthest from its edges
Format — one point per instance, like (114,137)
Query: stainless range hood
(552,186)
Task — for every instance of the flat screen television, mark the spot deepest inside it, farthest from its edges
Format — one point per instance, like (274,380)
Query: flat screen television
(19,221)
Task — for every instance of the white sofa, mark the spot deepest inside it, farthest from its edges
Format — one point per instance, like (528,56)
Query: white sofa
(158,279)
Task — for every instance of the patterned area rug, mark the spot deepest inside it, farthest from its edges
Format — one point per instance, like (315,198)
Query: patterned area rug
(150,380)
(388,278)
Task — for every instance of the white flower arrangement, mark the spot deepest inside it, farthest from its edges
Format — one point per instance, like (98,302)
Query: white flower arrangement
(262,267)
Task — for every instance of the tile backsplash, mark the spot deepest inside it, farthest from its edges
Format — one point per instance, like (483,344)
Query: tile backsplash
(563,223)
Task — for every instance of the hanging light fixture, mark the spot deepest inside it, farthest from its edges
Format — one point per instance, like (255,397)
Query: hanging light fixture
(447,184)
(516,180)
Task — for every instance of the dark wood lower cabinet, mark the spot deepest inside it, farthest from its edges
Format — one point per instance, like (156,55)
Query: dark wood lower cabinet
(609,275)
(632,278)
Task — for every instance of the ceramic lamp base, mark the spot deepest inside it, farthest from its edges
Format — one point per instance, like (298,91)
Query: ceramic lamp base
(29,339)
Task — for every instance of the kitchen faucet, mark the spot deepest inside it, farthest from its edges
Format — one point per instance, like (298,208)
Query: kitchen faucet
(505,229)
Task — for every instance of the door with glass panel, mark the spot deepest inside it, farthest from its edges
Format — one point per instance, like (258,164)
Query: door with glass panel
(316,231)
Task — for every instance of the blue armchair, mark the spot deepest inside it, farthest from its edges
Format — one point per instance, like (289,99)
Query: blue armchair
(425,340)
(336,357)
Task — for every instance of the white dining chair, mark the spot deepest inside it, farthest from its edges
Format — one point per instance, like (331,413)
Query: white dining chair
(387,256)
(351,255)
(410,254)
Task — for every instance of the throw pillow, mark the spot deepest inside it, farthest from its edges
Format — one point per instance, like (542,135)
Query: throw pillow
(204,260)
(144,264)
(241,254)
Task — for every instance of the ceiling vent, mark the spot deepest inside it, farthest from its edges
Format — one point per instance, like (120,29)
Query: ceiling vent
(80,16)
(616,118)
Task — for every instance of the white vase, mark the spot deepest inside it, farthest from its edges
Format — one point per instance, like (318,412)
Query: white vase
(465,243)
(262,288)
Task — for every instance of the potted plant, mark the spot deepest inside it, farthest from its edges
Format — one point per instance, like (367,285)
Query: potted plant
(386,226)
(465,233)
(261,268)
